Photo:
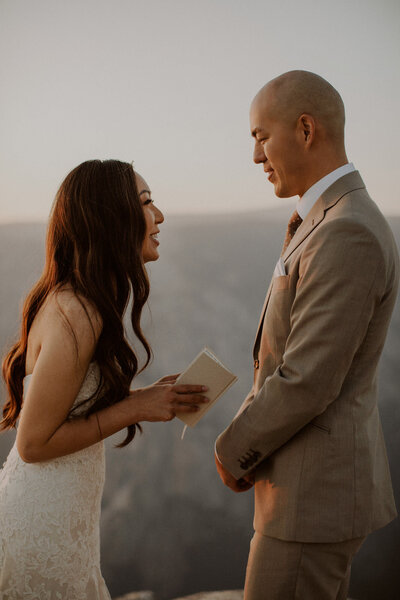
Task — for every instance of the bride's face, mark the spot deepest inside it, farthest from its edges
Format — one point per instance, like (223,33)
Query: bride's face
(153,218)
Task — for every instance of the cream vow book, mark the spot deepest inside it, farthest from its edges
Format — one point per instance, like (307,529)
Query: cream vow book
(206,369)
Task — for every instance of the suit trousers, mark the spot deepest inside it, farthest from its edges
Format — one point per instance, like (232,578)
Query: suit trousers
(280,570)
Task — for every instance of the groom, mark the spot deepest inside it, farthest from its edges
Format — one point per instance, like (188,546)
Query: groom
(309,434)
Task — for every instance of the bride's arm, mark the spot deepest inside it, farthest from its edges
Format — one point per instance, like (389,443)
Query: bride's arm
(44,431)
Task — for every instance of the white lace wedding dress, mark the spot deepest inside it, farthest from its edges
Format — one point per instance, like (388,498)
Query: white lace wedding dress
(49,521)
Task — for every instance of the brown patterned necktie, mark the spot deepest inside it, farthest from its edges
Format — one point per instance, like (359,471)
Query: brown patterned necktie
(293,225)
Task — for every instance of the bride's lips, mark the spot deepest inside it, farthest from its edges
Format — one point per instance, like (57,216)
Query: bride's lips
(153,237)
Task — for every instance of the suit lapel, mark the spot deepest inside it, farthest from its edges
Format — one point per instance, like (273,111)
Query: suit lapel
(329,198)
(261,321)
(312,220)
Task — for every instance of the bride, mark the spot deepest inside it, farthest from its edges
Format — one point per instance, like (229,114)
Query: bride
(68,381)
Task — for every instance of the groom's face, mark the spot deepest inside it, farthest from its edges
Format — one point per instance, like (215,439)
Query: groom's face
(277,146)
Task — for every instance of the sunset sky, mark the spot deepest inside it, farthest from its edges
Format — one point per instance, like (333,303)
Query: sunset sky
(168,83)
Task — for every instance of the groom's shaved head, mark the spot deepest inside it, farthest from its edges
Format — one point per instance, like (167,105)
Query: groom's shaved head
(300,92)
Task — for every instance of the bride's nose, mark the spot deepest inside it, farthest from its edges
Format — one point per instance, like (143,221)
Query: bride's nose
(158,215)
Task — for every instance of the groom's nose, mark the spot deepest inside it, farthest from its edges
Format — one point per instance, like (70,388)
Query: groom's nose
(258,154)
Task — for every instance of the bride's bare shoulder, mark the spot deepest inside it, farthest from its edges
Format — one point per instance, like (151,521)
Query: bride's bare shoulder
(76,310)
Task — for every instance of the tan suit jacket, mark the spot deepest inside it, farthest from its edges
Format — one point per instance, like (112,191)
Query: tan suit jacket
(310,427)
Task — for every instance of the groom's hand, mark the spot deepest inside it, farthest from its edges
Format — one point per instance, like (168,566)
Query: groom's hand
(237,485)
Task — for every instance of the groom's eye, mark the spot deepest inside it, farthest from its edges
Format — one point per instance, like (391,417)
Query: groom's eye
(148,201)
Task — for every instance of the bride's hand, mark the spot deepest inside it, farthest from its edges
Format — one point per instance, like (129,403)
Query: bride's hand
(168,379)
(163,400)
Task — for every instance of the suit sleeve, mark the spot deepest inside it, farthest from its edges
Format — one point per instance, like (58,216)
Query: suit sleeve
(248,400)
(342,278)
(243,406)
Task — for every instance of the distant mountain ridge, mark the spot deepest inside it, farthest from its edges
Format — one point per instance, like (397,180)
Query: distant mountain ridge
(163,502)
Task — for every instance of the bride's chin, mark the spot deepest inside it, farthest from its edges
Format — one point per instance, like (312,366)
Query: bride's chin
(150,257)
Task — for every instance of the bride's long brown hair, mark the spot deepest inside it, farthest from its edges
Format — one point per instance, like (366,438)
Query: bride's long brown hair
(94,245)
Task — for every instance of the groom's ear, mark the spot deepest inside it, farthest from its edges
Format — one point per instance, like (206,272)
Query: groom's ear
(306,129)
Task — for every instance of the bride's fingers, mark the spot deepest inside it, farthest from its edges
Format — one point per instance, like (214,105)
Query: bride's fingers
(190,399)
(189,389)
(169,378)
(178,408)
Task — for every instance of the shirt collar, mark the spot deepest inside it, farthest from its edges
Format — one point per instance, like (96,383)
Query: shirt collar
(307,201)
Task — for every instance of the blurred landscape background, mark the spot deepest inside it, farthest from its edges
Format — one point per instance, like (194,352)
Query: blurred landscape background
(168,523)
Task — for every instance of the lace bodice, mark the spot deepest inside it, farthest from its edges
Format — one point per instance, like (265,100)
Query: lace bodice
(49,520)
(88,388)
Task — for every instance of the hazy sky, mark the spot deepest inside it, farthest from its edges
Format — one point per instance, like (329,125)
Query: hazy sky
(168,83)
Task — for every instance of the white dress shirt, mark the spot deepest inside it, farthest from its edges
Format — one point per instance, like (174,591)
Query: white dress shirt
(307,201)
